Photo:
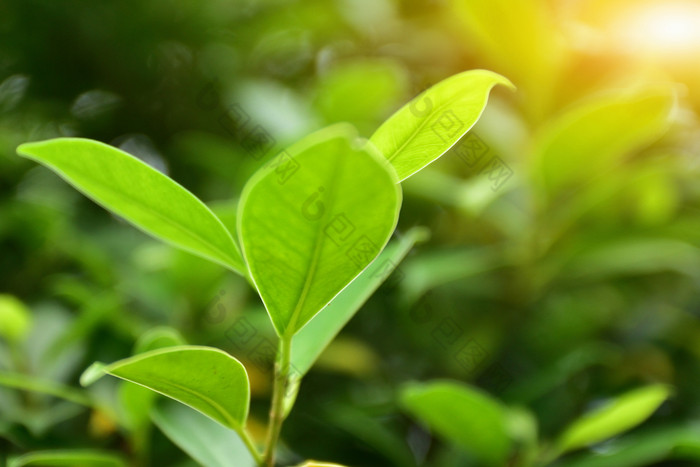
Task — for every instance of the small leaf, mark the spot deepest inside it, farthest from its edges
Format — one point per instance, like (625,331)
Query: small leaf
(203,440)
(77,458)
(615,417)
(206,379)
(15,318)
(462,415)
(429,125)
(310,342)
(313,220)
(140,194)
(136,401)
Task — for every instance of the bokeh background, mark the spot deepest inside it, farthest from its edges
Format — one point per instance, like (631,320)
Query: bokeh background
(563,263)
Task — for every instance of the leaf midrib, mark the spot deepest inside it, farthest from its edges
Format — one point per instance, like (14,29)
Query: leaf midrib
(418,128)
(318,246)
(233,423)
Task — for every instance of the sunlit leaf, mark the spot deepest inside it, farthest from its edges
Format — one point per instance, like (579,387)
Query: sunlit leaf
(617,416)
(429,125)
(204,378)
(313,219)
(463,415)
(205,441)
(76,458)
(145,197)
(308,344)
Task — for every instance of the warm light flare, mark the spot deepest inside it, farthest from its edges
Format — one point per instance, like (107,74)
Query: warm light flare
(667,29)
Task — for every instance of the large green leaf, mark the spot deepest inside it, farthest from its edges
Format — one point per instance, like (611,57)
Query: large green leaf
(615,417)
(205,441)
(429,125)
(462,415)
(310,342)
(592,138)
(204,378)
(313,219)
(73,458)
(145,197)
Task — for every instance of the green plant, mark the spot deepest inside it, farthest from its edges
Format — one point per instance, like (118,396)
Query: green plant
(497,434)
(308,230)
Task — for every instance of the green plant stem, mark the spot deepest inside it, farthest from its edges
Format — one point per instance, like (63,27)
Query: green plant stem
(251,446)
(274,428)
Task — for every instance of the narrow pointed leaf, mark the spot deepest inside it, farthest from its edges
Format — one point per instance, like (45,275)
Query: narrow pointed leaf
(463,415)
(140,194)
(313,219)
(425,128)
(73,458)
(204,378)
(205,441)
(615,417)
(310,342)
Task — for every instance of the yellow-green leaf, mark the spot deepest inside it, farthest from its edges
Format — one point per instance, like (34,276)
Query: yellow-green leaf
(463,415)
(204,378)
(314,219)
(140,194)
(425,128)
(615,417)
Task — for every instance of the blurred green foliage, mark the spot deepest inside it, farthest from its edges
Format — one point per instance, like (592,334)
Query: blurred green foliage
(563,265)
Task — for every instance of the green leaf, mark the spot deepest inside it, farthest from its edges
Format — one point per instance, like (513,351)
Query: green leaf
(429,125)
(592,139)
(615,417)
(648,448)
(205,441)
(313,219)
(15,318)
(51,388)
(145,197)
(136,401)
(73,458)
(206,379)
(310,342)
(463,415)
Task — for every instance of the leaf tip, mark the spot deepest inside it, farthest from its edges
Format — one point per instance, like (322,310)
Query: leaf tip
(92,374)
